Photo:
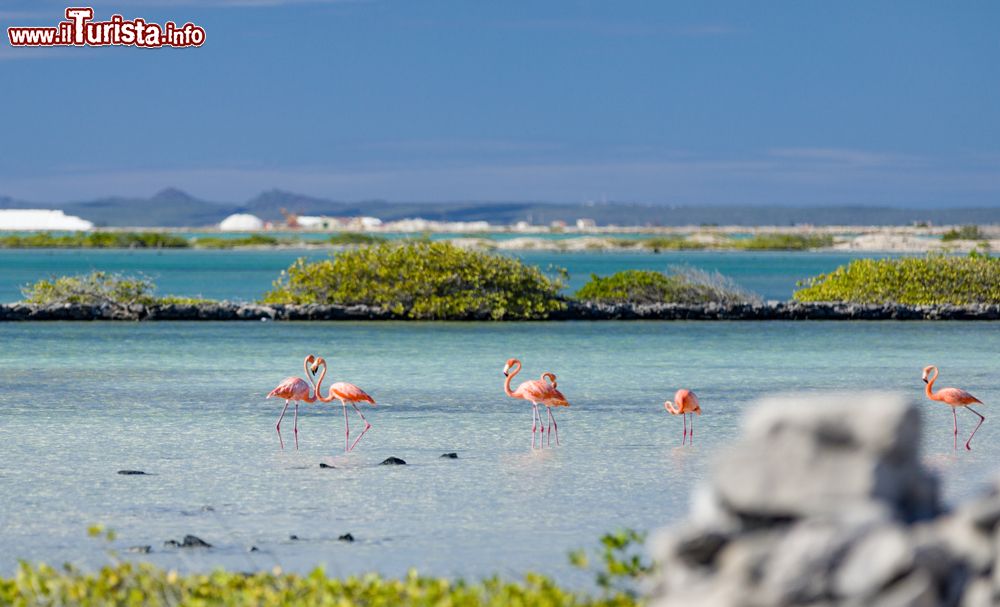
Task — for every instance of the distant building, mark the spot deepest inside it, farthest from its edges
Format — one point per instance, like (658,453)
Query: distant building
(41,219)
(313,222)
(241,222)
(585,224)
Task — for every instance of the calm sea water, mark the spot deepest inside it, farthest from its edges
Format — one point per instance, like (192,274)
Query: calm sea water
(246,275)
(184,402)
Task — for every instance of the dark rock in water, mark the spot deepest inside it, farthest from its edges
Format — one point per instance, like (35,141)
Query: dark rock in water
(193,541)
(449,455)
(393,461)
(171,544)
(141,549)
(131,472)
(293,537)
(322,465)
(347,537)
(207,509)
(253,549)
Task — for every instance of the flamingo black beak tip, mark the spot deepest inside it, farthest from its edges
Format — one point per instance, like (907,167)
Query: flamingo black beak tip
(925,380)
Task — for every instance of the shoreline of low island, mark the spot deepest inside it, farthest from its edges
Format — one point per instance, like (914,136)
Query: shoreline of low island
(573,311)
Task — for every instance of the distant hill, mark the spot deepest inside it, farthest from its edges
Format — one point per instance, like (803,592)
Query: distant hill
(174,208)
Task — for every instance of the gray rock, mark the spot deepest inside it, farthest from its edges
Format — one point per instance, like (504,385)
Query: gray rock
(873,562)
(131,472)
(392,461)
(979,593)
(193,541)
(915,590)
(801,566)
(141,549)
(347,537)
(449,455)
(816,455)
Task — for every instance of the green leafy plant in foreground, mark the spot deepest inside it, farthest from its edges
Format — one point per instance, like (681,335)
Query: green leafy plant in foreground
(683,285)
(934,279)
(98,289)
(623,563)
(144,584)
(622,568)
(422,280)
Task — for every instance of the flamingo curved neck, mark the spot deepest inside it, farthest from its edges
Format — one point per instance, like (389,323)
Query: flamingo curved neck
(673,408)
(929,388)
(317,384)
(514,370)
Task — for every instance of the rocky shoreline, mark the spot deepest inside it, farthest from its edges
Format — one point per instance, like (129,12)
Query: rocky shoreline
(228,311)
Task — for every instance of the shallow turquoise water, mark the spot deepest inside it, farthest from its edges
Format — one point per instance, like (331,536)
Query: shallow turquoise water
(184,402)
(246,275)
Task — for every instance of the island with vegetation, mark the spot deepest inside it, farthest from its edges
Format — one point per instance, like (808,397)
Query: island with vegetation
(423,280)
(652,240)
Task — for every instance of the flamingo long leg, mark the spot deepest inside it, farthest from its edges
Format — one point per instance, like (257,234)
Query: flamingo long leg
(553,425)
(367,426)
(295,426)
(347,429)
(534,422)
(278,425)
(691,437)
(981,420)
(684,438)
(954,413)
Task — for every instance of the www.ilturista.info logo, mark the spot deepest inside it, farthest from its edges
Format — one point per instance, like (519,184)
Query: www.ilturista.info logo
(80,29)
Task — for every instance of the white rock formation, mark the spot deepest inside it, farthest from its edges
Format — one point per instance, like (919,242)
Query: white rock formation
(41,219)
(241,222)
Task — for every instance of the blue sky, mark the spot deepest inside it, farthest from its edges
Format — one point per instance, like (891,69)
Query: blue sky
(798,103)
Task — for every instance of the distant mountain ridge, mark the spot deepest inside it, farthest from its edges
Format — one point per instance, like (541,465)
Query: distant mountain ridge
(172,207)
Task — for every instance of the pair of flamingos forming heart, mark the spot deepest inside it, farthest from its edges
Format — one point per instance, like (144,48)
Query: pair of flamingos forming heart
(294,389)
(536,391)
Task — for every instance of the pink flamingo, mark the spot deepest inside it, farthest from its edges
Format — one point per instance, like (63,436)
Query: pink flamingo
(345,393)
(536,391)
(685,402)
(955,397)
(297,390)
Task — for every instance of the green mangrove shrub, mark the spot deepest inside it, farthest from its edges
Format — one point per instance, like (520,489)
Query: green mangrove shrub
(94,240)
(934,279)
(782,242)
(963,233)
(254,240)
(672,243)
(354,239)
(98,288)
(682,286)
(422,280)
